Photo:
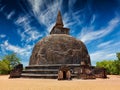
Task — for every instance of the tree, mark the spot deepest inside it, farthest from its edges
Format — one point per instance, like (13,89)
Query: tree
(118,55)
(117,66)
(8,63)
(13,59)
(117,63)
(4,67)
(112,66)
(107,64)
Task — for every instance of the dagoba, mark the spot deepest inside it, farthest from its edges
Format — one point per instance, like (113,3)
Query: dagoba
(59,48)
(61,56)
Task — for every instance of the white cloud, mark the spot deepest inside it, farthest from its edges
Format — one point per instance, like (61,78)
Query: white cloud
(25,51)
(107,51)
(48,15)
(36,4)
(33,35)
(10,15)
(2,36)
(109,45)
(102,55)
(30,33)
(50,28)
(21,20)
(2,8)
(89,34)
(67,20)
(93,19)
(71,3)
(104,44)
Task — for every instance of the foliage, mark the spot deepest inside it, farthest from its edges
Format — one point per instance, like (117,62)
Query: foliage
(118,56)
(4,66)
(13,59)
(112,66)
(8,63)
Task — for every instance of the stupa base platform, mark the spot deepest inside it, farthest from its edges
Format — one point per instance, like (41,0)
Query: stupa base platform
(48,71)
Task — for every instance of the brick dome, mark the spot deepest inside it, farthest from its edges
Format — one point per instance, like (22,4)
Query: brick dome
(59,49)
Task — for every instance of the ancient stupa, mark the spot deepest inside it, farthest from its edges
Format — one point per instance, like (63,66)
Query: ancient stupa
(59,48)
(59,55)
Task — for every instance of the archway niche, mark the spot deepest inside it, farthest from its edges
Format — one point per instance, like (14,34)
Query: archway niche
(64,73)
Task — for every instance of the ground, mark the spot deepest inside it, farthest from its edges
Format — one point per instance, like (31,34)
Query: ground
(113,83)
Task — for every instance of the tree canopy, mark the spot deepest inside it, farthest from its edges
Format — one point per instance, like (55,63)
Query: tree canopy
(118,56)
(8,63)
(112,66)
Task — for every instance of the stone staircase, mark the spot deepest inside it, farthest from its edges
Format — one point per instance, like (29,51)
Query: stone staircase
(46,71)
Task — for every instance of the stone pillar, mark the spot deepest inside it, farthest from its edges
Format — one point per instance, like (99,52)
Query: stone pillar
(60,75)
(68,75)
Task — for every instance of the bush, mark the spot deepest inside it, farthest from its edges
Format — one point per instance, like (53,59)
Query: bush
(112,66)
(8,63)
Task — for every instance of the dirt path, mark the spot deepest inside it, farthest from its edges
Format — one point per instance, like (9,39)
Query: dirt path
(113,83)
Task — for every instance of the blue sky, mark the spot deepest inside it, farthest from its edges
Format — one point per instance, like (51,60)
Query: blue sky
(95,22)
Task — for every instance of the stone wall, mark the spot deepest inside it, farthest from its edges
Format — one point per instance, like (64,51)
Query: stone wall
(16,72)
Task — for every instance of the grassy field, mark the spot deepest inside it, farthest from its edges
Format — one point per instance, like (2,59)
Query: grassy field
(113,83)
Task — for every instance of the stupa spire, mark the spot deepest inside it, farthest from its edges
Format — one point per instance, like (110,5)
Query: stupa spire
(59,27)
(59,22)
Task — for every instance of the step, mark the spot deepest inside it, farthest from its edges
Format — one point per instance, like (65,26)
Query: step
(50,66)
(54,65)
(39,74)
(45,71)
(41,71)
(54,76)
(23,74)
(42,67)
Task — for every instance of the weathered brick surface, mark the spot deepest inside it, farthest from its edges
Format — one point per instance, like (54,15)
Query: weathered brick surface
(59,49)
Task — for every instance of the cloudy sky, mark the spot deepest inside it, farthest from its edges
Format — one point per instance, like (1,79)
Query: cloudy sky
(95,22)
